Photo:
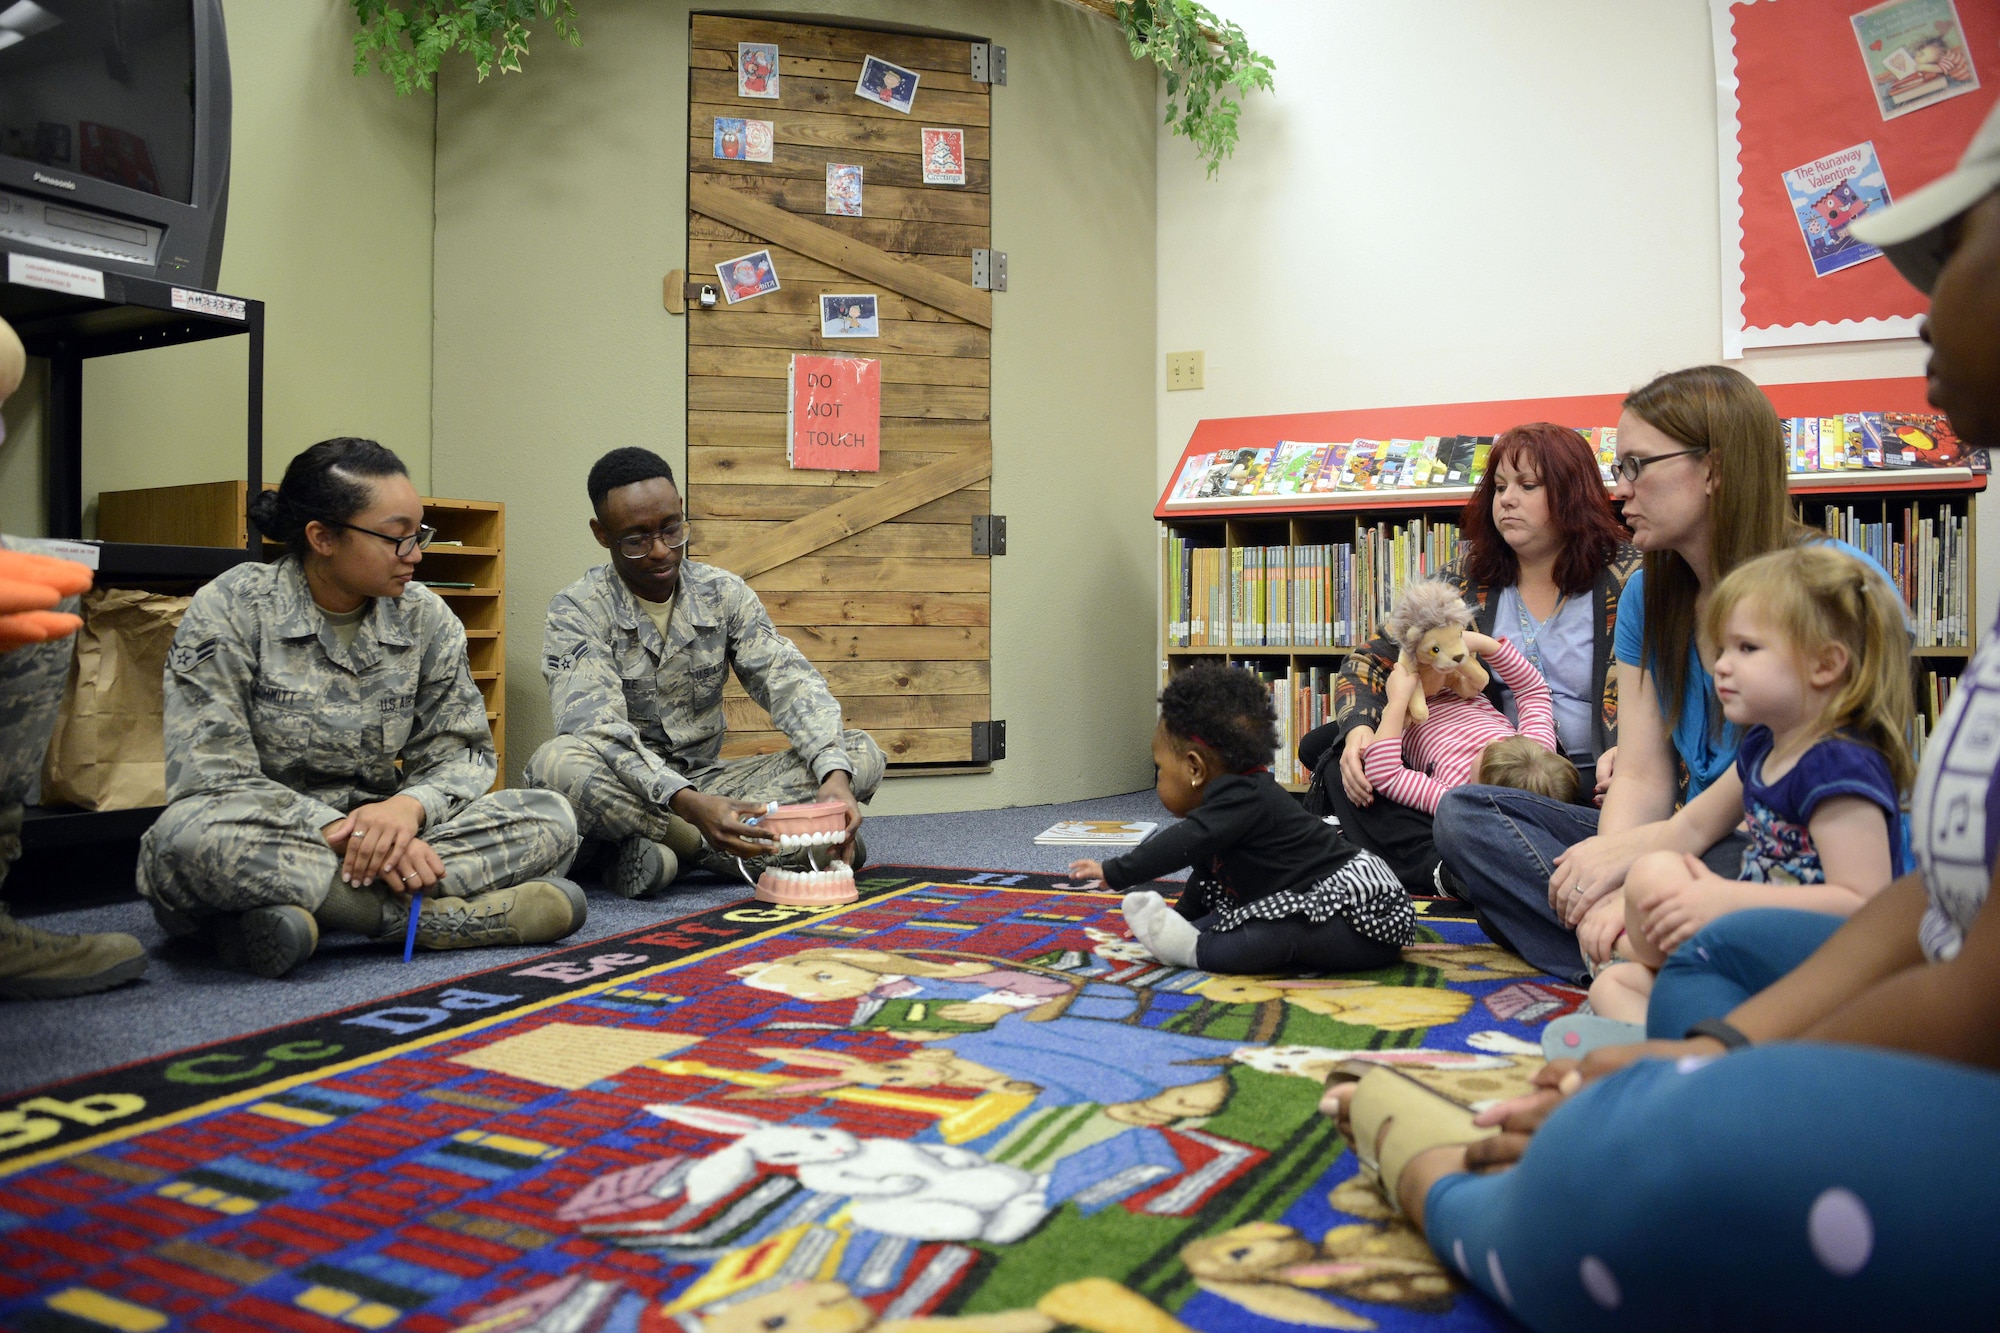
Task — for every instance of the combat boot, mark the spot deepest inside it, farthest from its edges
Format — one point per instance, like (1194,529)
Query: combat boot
(538,912)
(643,868)
(41,965)
(265,941)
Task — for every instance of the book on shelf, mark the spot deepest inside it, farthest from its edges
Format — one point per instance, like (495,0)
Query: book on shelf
(1934,690)
(1294,469)
(1302,699)
(1926,551)
(1310,595)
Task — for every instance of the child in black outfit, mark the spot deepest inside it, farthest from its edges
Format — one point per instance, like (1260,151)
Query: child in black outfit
(1273,889)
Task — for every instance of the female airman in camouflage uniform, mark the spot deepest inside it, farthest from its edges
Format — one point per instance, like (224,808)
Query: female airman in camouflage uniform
(328,753)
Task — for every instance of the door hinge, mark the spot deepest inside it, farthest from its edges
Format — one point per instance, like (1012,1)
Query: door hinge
(989,534)
(989,63)
(989,741)
(989,270)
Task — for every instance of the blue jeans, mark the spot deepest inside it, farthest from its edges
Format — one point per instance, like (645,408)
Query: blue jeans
(1791,1186)
(1502,845)
(1728,961)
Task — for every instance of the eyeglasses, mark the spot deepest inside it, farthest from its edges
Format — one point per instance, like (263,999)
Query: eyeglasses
(639,545)
(1631,465)
(405,546)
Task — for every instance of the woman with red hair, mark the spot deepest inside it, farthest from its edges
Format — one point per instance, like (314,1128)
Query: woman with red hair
(1544,561)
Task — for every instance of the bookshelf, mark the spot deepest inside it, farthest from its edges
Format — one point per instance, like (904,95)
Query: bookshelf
(1288,585)
(471,547)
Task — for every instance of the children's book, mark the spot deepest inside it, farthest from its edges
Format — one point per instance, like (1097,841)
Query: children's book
(1856,432)
(1426,469)
(1607,453)
(1871,438)
(1455,453)
(1928,440)
(1481,446)
(1391,474)
(1328,477)
(1191,476)
(1293,468)
(1805,443)
(1827,195)
(1211,484)
(1915,53)
(1832,444)
(1096,833)
(1359,474)
(1246,473)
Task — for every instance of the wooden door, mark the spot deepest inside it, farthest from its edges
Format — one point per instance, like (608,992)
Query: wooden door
(872,575)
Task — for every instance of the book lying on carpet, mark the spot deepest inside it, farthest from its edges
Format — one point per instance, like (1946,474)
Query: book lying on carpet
(1096,833)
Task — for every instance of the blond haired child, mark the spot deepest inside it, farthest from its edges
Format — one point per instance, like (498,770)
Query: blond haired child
(1526,764)
(1812,658)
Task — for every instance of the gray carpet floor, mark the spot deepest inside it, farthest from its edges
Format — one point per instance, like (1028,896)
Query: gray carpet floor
(187,999)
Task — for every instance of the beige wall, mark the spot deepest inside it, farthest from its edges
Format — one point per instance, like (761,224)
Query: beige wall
(330,225)
(560,205)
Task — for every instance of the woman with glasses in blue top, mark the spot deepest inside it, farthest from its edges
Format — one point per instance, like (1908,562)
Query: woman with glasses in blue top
(328,756)
(1702,480)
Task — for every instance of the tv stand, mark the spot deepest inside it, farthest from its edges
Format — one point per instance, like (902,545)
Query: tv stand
(65,329)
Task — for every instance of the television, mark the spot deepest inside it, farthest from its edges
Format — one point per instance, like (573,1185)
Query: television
(114,134)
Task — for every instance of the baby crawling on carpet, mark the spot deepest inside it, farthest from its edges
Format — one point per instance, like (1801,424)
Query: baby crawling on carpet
(1272,890)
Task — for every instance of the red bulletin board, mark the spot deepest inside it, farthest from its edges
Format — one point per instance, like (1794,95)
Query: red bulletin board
(1791,87)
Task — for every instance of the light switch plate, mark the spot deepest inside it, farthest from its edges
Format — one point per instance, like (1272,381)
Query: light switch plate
(1184,370)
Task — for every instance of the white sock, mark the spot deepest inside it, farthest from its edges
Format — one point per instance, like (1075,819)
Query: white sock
(1167,935)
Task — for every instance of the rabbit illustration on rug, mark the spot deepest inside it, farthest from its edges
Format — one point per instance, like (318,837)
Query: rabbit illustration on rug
(926,1191)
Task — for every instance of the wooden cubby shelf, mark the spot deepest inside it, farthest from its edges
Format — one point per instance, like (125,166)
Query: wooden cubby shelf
(212,514)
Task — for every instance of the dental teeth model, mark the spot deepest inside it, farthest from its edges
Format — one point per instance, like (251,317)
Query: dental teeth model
(818,888)
(821,824)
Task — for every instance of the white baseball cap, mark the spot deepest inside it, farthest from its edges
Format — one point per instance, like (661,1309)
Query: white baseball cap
(1911,232)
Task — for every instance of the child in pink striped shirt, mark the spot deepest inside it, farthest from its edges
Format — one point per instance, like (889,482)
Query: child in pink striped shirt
(1445,750)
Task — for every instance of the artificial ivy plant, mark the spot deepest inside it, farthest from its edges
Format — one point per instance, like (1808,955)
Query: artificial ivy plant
(408,38)
(1199,54)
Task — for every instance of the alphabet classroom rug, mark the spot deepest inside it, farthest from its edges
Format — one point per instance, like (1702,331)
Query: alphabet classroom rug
(967,1103)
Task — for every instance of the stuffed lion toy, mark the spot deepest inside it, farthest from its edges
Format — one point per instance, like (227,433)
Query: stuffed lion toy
(1429,626)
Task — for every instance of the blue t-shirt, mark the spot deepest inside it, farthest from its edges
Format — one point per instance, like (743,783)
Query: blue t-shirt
(1781,848)
(1707,750)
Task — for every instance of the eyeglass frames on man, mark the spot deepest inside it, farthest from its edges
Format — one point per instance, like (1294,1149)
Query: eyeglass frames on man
(405,546)
(1631,465)
(639,545)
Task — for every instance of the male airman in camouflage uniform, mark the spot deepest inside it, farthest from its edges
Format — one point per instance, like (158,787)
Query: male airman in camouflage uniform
(636,654)
(275,730)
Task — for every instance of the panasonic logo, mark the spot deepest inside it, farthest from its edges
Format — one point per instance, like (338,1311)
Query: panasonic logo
(56,181)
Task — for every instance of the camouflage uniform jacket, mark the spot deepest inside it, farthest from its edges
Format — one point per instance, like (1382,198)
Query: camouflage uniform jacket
(260,695)
(652,709)
(1361,690)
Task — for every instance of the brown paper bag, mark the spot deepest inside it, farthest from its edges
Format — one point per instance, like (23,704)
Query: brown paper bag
(107,753)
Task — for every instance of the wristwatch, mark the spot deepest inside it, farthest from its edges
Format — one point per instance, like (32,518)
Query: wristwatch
(1728,1034)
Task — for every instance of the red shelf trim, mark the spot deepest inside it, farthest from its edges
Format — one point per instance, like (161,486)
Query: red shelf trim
(1901,394)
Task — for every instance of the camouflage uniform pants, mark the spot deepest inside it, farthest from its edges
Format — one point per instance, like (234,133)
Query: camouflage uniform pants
(236,851)
(31,687)
(606,808)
